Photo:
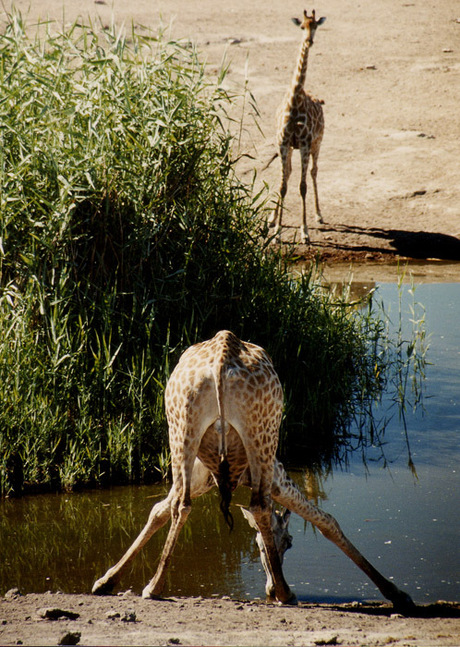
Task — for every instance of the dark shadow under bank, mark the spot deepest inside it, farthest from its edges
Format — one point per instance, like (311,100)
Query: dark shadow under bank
(439,609)
(408,245)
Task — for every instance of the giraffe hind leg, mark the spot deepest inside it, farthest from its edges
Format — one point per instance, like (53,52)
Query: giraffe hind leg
(180,509)
(159,515)
(181,504)
(314,174)
(286,168)
(304,156)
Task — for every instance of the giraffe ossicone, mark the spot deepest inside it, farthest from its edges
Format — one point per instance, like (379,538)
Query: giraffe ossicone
(300,125)
(224,404)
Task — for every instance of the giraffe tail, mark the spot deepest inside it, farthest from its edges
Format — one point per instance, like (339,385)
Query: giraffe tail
(273,157)
(223,478)
(225,490)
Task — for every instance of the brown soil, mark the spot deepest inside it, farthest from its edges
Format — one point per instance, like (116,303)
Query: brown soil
(389,74)
(127,619)
(389,183)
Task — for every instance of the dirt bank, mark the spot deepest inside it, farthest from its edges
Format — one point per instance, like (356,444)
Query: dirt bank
(389,74)
(129,620)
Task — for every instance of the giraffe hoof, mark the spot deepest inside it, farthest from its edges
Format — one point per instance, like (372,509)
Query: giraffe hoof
(404,604)
(151,594)
(102,588)
(291,601)
(304,235)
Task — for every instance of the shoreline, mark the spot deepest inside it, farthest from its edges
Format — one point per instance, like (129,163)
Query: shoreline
(127,619)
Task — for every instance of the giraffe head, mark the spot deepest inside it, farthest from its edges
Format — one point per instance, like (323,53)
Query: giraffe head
(283,541)
(310,24)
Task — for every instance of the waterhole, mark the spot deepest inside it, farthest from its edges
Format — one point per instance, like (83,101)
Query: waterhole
(407,525)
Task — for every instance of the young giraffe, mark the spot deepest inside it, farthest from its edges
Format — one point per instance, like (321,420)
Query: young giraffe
(224,405)
(300,125)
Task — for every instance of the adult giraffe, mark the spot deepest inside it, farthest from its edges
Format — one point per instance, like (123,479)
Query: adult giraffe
(300,126)
(224,404)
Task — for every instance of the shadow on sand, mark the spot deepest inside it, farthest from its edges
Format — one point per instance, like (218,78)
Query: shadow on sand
(437,610)
(413,244)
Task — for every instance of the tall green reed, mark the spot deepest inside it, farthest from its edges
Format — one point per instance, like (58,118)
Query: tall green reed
(125,236)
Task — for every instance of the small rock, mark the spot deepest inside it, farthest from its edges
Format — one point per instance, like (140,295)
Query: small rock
(331,641)
(70,638)
(174,641)
(12,594)
(111,615)
(129,616)
(54,613)
(127,594)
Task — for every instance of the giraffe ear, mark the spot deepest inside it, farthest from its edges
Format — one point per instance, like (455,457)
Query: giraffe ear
(286,517)
(296,21)
(321,20)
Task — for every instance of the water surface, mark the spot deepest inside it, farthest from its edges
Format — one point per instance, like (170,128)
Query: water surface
(408,527)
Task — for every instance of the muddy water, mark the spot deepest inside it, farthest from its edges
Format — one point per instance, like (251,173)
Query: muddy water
(408,527)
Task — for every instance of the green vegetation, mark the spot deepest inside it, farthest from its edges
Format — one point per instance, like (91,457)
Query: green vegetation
(125,236)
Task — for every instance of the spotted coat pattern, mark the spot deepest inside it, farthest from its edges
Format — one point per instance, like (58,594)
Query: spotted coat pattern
(300,126)
(224,401)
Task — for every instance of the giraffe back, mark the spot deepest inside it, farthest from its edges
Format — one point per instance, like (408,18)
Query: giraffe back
(300,121)
(225,398)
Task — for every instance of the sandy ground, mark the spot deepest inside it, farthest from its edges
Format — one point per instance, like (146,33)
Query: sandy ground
(129,620)
(389,74)
(389,184)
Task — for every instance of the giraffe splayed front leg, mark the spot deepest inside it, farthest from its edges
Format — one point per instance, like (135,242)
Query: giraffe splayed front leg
(286,492)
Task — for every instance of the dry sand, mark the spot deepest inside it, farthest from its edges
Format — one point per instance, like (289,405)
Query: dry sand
(129,620)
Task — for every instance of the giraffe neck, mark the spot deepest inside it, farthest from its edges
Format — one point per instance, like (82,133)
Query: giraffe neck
(300,73)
